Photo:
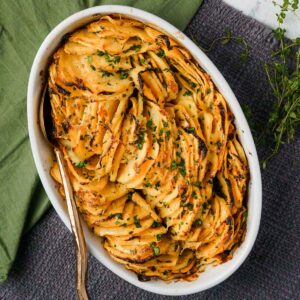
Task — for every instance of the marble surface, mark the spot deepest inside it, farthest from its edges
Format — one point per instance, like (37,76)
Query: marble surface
(265,12)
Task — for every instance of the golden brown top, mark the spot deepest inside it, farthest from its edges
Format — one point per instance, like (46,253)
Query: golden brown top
(154,157)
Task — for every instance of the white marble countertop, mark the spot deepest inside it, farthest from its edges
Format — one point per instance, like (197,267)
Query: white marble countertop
(265,12)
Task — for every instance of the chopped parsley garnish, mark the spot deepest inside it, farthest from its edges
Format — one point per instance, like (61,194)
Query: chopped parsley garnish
(118,216)
(81,164)
(89,59)
(157,184)
(149,124)
(155,224)
(190,206)
(117,59)
(135,48)
(168,133)
(187,93)
(180,224)
(208,91)
(101,53)
(155,249)
(181,167)
(142,61)
(158,237)
(161,131)
(141,140)
(193,84)
(173,165)
(245,214)
(197,223)
(107,57)
(137,222)
(123,74)
(147,184)
(106,73)
(194,195)
(197,184)
(161,53)
(190,129)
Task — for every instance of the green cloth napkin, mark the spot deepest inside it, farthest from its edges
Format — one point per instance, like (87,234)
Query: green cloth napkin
(23,26)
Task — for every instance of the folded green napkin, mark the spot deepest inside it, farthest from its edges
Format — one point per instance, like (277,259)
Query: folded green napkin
(23,26)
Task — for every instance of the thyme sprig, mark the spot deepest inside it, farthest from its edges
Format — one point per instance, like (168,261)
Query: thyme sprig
(225,39)
(284,78)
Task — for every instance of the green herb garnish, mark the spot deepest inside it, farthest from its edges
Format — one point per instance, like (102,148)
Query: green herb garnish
(225,39)
(284,79)
(106,73)
(118,216)
(123,74)
(190,206)
(181,168)
(193,84)
(173,165)
(168,134)
(197,223)
(147,184)
(197,184)
(135,48)
(190,129)
(149,124)
(101,53)
(81,164)
(90,60)
(188,93)
(161,53)
(155,224)
(137,222)
(155,249)
(117,59)
(141,139)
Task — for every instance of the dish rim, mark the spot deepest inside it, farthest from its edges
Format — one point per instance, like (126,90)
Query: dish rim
(42,162)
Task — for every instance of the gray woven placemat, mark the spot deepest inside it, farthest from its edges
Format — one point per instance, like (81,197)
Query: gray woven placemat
(45,265)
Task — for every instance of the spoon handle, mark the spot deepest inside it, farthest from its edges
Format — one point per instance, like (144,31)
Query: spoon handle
(81,252)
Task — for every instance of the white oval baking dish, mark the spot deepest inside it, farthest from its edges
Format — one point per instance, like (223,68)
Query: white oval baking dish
(42,153)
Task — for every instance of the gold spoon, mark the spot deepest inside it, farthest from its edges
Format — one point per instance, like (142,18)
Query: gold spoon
(46,125)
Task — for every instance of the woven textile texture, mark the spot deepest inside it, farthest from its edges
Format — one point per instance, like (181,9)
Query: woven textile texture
(45,265)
